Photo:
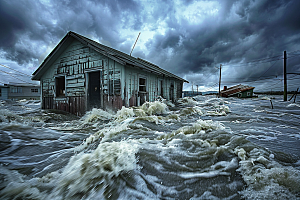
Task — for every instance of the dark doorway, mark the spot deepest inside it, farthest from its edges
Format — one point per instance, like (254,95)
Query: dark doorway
(172,92)
(60,86)
(94,90)
(142,90)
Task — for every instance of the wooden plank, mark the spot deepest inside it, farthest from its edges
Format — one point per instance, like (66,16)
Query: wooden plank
(79,89)
(75,76)
(73,85)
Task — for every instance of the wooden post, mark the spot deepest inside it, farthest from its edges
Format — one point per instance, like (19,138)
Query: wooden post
(296,95)
(192,88)
(220,81)
(284,77)
(271,103)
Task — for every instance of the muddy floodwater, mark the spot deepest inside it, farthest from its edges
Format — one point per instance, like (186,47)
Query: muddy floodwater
(201,148)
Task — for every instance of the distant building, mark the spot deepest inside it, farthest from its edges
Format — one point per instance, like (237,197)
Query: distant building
(191,93)
(80,74)
(241,91)
(18,91)
(4,92)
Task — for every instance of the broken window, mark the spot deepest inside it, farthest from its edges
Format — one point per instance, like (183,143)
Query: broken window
(142,85)
(60,86)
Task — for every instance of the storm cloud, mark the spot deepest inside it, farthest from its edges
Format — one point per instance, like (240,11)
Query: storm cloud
(188,38)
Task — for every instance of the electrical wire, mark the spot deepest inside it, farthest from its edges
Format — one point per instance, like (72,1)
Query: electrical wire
(16,77)
(15,70)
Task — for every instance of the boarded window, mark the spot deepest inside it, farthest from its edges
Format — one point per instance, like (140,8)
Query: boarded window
(60,86)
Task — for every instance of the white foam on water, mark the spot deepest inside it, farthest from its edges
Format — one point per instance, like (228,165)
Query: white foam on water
(155,108)
(190,111)
(188,101)
(218,169)
(210,174)
(124,113)
(265,178)
(8,116)
(293,105)
(147,109)
(200,126)
(96,115)
(104,134)
(87,174)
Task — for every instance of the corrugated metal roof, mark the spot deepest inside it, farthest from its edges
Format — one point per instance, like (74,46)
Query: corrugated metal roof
(114,54)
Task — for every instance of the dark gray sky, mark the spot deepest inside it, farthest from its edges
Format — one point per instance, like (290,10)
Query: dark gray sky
(188,38)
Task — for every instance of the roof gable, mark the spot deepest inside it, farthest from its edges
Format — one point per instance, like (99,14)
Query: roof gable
(114,54)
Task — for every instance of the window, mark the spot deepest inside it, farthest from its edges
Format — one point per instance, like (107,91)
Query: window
(248,94)
(60,86)
(239,94)
(16,90)
(142,85)
(34,90)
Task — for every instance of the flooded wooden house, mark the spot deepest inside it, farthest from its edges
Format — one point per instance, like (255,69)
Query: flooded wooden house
(80,74)
(241,91)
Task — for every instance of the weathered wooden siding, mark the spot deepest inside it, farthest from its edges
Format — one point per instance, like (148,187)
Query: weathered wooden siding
(74,64)
(153,86)
(119,84)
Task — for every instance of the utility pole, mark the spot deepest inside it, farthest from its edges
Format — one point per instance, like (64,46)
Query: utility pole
(192,88)
(284,77)
(220,81)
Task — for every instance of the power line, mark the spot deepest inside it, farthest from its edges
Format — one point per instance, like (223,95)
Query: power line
(265,60)
(16,77)
(15,70)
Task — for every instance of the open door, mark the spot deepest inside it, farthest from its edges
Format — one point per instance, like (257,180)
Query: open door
(172,92)
(142,91)
(94,89)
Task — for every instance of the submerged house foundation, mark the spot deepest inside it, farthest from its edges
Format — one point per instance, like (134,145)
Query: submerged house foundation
(81,74)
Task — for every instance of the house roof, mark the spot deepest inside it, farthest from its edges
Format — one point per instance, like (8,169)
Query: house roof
(236,89)
(114,54)
(20,85)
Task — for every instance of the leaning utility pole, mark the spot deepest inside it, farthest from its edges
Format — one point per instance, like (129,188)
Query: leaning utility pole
(284,77)
(220,81)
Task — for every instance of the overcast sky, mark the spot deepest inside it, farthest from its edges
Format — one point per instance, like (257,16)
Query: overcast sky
(188,38)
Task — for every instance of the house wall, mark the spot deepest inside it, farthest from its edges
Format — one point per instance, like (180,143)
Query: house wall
(119,84)
(244,94)
(133,96)
(24,92)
